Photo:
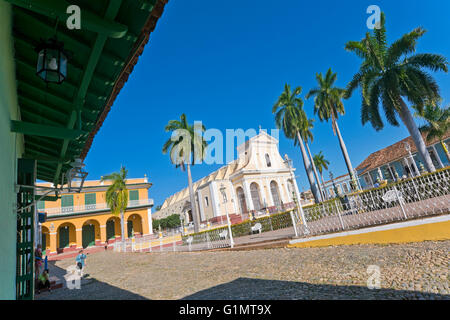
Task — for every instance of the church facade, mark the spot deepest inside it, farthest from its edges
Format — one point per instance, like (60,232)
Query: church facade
(260,180)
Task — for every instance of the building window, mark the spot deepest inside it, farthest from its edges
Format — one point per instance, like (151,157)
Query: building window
(90,199)
(254,191)
(134,195)
(241,198)
(275,194)
(269,164)
(206,201)
(67,203)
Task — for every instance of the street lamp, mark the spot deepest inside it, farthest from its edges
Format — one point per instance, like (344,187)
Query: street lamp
(75,176)
(225,200)
(408,148)
(288,163)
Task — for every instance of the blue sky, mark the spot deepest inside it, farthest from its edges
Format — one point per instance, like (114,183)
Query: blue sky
(225,63)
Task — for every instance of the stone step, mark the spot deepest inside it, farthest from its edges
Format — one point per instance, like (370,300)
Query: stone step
(55,283)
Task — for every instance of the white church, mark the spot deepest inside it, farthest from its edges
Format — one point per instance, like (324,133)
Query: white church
(260,180)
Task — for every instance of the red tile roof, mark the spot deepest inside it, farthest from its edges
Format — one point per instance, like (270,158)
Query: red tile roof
(392,153)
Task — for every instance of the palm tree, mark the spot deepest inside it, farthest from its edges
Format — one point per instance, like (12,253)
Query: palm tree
(321,164)
(117,196)
(305,126)
(391,74)
(289,115)
(438,124)
(187,146)
(328,105)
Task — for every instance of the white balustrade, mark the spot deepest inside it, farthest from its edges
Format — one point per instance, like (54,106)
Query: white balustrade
(91,207)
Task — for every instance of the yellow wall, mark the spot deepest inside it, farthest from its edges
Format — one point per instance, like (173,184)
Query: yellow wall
(76,223)
(424,232)
(79,198)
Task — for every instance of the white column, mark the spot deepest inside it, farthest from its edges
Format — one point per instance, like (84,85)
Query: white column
(235,200)
(283,193)
(437,156)
(214,198)
(150,222)
(200,204)
(380,174)
(248,196)
(269,191)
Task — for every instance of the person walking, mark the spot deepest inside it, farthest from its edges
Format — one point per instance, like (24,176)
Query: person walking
(81,262)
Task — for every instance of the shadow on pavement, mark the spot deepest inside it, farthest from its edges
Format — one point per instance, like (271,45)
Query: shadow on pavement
(259,289)
(90,289)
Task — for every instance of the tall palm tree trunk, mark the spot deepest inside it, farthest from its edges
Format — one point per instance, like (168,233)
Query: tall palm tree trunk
(192,197)
(122,227)
(309,173)
(408,120)
(323,187)
(315,172)
(348,163)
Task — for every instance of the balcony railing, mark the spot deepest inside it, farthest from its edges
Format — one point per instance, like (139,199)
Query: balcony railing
(92,207)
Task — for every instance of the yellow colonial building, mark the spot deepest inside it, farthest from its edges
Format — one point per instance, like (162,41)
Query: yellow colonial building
(83,220)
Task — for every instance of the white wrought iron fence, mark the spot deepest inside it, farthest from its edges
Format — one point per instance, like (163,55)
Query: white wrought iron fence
(423,196)
(427,195)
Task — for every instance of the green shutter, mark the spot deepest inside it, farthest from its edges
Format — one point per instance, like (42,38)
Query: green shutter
(90,198)
(134,195)
(26,175)
(67,201)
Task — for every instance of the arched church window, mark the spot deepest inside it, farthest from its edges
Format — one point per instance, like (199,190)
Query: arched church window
(269,164)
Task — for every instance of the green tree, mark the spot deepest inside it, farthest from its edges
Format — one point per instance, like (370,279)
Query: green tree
(328,105)
(391,74)
(321,164)
(186,147)
(438,124)
(290,117)
(117,196)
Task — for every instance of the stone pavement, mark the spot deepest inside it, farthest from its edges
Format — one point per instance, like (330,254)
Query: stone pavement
(407,271)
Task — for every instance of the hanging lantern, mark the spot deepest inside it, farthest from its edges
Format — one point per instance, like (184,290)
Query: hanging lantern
(75,176)
(52,61)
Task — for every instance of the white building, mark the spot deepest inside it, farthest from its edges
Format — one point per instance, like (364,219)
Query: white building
(259,180)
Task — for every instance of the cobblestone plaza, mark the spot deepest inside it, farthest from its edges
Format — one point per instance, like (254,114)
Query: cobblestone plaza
(407,271)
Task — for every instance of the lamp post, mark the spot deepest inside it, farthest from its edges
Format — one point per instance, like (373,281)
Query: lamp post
(182,223)
(408,148)
(225,200)
(288,163)
(357,179)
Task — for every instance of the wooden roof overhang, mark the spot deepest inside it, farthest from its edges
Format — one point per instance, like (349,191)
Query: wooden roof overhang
(59,121)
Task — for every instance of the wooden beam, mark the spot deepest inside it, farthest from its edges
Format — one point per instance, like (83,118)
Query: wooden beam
(66,36)
(43,158)
(28,128)
(89,20)
(111,13)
